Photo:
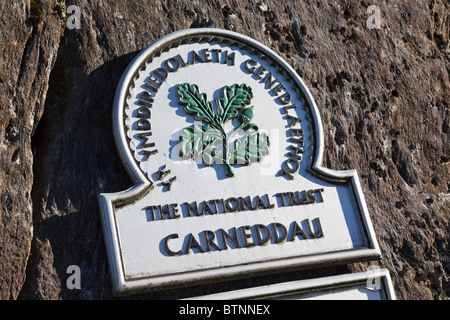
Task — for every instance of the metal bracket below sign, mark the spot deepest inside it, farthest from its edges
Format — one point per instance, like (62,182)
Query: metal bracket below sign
(370,285)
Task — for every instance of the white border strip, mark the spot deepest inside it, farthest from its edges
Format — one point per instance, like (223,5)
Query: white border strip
(306,287)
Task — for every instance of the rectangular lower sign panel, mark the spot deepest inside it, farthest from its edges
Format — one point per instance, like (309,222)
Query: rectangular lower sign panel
(147,254)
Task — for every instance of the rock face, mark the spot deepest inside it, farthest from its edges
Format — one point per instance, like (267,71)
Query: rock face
(379,75)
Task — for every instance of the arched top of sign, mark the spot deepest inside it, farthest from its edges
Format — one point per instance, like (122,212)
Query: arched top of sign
(258,65)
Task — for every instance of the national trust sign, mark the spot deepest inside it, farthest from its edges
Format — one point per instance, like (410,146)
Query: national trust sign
(224,143)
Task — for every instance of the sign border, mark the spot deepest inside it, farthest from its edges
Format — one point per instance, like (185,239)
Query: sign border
(109,202)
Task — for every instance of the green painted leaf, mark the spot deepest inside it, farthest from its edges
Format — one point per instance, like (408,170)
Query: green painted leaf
(251,148)
(211,155)
(195,102)
(252,127)
(246,115)
(194,139)
(204,137)
(233,100)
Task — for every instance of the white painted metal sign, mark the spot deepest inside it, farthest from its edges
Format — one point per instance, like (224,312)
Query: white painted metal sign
(224,142)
